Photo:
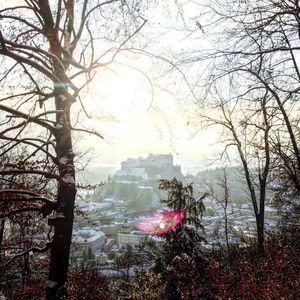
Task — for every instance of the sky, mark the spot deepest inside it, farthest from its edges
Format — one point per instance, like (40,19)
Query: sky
(135,123)
(140,112)
(136,118)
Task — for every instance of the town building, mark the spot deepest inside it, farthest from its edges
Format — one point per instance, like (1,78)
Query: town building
(88,237)
(133,238)
(155,166)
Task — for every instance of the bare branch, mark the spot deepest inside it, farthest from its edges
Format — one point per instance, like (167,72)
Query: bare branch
(32,249)
(36,172)
(36,208)
(27,117)
(88,131)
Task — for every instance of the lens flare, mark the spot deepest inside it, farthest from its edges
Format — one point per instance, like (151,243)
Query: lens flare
(161,222)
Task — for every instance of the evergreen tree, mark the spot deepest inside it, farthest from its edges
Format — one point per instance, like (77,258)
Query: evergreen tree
(181,264)
(187,235)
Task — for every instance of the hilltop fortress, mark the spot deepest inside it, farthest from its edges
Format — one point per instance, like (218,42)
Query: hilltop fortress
(155,166)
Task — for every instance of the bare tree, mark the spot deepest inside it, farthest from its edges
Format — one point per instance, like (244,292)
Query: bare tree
(247,132)
(49,52)
(250,86)
(223,200)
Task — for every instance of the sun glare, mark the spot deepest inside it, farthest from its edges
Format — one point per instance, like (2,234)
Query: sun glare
(161,222)
(121,91)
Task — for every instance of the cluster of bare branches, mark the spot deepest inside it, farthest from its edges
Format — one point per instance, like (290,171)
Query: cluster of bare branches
(250,89)
(49,53)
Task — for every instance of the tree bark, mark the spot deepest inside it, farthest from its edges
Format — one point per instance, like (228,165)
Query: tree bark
(63,220)
(260,220)
(60,250)
(2,225)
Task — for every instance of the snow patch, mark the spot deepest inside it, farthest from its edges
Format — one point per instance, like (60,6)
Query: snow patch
(51,284)
(62,97)
(68,178)
(63,160)
(67,42)
(58,126)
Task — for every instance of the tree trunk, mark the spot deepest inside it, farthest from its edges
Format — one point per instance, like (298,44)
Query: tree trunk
(26,263)
(226,231)
(60,249)
(260,233)
(260,217)
(2,226)
(63,220)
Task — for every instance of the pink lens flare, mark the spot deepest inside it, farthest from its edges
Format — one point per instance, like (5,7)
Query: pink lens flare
(161,222)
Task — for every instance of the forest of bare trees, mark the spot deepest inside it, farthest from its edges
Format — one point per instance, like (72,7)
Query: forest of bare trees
(243,79)
(250,90)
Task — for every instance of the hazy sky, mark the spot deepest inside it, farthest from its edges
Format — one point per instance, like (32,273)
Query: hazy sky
(136,118)
(133,120)
(134,124)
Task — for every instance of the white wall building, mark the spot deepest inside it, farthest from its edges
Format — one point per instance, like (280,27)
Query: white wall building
(133,238)
(95,239)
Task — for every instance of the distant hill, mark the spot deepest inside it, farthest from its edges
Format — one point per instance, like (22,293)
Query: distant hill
(238,190)
(96,174)
(149,170)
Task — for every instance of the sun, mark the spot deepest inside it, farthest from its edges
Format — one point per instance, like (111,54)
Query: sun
(121,89)
(162,225)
